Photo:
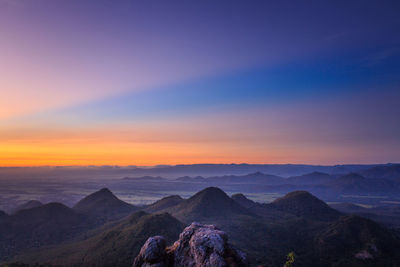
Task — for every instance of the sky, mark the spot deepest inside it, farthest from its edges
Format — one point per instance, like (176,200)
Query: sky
(180,82)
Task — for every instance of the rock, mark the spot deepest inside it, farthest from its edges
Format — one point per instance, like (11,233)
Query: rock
(199,245)
(363,255)
(152,253)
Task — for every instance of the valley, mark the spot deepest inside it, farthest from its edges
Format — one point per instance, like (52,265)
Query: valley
(101,229)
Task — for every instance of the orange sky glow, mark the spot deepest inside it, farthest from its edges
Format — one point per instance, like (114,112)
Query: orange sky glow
(134,83)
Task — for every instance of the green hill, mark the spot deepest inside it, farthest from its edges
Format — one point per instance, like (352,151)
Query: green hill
(298,222)
(28,205)
(303,204)
(164,203)
(114,246)
(45,225)
(210,203)
(104,206)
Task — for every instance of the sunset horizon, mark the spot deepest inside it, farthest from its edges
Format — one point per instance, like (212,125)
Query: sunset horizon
(96,83)
(209,133)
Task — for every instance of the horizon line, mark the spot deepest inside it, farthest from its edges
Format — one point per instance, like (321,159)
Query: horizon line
(194,164)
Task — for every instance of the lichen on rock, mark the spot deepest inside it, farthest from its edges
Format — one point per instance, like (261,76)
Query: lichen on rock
(198,245)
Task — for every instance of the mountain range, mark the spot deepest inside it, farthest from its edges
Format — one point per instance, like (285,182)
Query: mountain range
(377,181)
(283,170)
(101,230)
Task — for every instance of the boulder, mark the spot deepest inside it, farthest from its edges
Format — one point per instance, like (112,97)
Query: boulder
(153,253)
(199,245)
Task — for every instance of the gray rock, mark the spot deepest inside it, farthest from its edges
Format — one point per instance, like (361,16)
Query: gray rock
(152,253)
(199,245)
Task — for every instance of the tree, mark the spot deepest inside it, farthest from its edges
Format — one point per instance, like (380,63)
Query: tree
(289,259)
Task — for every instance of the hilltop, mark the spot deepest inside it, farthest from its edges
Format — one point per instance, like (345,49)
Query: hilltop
(27,205)
(104,206)
(209,203)
(266,232)
(302,203)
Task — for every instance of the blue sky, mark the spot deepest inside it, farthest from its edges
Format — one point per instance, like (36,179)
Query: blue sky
(266,81)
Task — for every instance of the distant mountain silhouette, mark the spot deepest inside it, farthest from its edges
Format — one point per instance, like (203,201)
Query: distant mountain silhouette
(302,203)
(146,178)
(330,187)
(28,205)
(104,206)
(197,179)
(354,183)
(256,177)
(164,203)
(206,170)
(390,172)
(313,178)
(208,203)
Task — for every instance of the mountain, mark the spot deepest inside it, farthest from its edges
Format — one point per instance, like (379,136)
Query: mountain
(28,205)
(313,178)
(264,210)
(113,246)
(3,214)
(145,179)
(244,201)
(303,204)
(256,177)
(48,224)
(104,206)
(388,215)
(164,203)
(348,208)
(197,179)
(354,183)
(390,172)
(357,242)
(284,170)
(209,203)
(299,222)
(351,182)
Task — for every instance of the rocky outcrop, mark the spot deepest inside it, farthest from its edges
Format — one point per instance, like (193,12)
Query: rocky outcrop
(199,245)
(153,253)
